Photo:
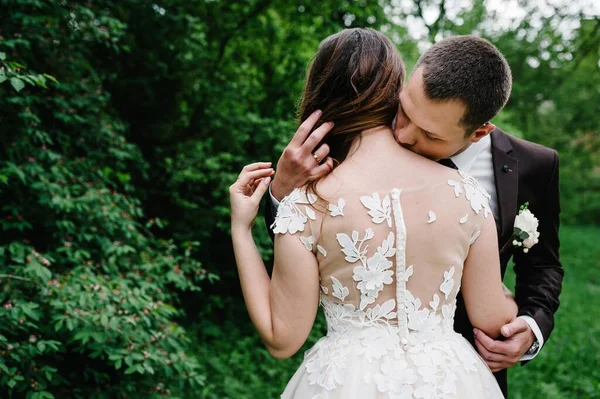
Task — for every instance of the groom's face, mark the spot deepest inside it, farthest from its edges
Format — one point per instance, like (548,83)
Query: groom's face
(430,128)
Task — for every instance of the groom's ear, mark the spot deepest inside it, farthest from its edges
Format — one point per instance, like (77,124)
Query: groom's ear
(481,132)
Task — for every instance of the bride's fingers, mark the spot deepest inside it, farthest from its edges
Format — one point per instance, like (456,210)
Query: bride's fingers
(326,166)
(246,177)
(261,188)
(256,165)
(321,153)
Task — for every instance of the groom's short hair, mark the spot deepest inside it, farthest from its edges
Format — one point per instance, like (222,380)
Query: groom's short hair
(470,69)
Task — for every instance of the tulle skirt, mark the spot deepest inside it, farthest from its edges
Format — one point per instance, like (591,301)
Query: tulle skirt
(373,363)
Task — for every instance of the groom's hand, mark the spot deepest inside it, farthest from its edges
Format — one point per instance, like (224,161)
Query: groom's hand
(500,355)
(299,160)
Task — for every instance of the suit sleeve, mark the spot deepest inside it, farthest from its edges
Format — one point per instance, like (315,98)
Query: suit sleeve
(539,273)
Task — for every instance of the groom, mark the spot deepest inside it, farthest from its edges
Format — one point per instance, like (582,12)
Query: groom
(455,89)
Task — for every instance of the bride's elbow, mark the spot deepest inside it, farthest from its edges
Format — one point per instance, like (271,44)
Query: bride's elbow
(491,324)
(281,353)
(282,349)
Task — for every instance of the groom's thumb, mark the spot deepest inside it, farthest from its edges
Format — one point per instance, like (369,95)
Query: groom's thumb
(506,331)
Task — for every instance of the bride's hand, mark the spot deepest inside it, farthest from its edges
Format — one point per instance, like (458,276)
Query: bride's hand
(245,194)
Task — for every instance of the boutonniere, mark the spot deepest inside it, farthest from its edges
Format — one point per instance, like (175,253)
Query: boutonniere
(525,234)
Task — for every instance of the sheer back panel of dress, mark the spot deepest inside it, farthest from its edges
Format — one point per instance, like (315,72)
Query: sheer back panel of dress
(377,249)
(438,239)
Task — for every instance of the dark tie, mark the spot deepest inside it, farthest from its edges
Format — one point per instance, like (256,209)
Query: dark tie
(448,162)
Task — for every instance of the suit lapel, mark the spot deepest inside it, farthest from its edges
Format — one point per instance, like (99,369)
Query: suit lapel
(506,173)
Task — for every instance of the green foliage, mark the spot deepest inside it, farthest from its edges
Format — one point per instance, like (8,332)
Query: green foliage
(90,294)
(122,125)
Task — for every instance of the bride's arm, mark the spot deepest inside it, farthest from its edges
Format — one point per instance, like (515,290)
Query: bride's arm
(487,305)
(283,309)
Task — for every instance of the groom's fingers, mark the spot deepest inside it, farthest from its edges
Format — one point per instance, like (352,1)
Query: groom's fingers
(305,128)
(487,355)
(516,326)
(497,366)
(489,344)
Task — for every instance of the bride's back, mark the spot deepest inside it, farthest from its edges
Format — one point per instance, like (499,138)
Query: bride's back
(391,225)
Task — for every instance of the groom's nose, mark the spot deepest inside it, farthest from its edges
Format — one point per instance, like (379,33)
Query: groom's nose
(407,136)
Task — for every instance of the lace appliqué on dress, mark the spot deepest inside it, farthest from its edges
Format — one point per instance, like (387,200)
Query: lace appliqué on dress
(374,271)
(474,193)
(291,216)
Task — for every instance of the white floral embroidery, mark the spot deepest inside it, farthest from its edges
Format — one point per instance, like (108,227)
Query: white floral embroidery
(464,219)
(308,242)
(290,219)
(322,250)
(324,289)
(374,273)
(310,213)
(349,246)
(448,283)
(339,291)
(436,302)
(456,186)
(396,378)
(378,210)
(476,194)
(474,237)
(432,217)
(337,210)
(406,274)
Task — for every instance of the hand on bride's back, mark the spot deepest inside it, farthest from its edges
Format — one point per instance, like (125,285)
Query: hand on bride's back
(301,159)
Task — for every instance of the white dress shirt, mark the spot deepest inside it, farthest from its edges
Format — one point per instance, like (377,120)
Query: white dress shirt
(476,161)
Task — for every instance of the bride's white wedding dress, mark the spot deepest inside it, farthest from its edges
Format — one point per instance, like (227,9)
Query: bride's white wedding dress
(390,266)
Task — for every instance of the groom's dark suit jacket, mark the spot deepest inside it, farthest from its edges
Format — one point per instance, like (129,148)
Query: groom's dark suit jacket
(524,172)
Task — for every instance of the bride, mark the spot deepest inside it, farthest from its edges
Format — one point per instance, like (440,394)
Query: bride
(383,242)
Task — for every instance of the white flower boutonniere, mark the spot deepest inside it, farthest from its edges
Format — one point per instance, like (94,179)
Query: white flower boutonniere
(525,232)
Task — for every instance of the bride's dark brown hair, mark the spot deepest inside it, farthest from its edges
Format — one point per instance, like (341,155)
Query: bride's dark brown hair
(355,80)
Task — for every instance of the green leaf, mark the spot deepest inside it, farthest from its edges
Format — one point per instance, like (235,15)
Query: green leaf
(41,346)
(523,235)
(50,77)
(131,369)
(2,76)
(2,56)
(17,84)
(28,310)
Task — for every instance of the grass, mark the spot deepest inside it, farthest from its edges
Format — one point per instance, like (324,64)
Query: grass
(569,364)
(567,367)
